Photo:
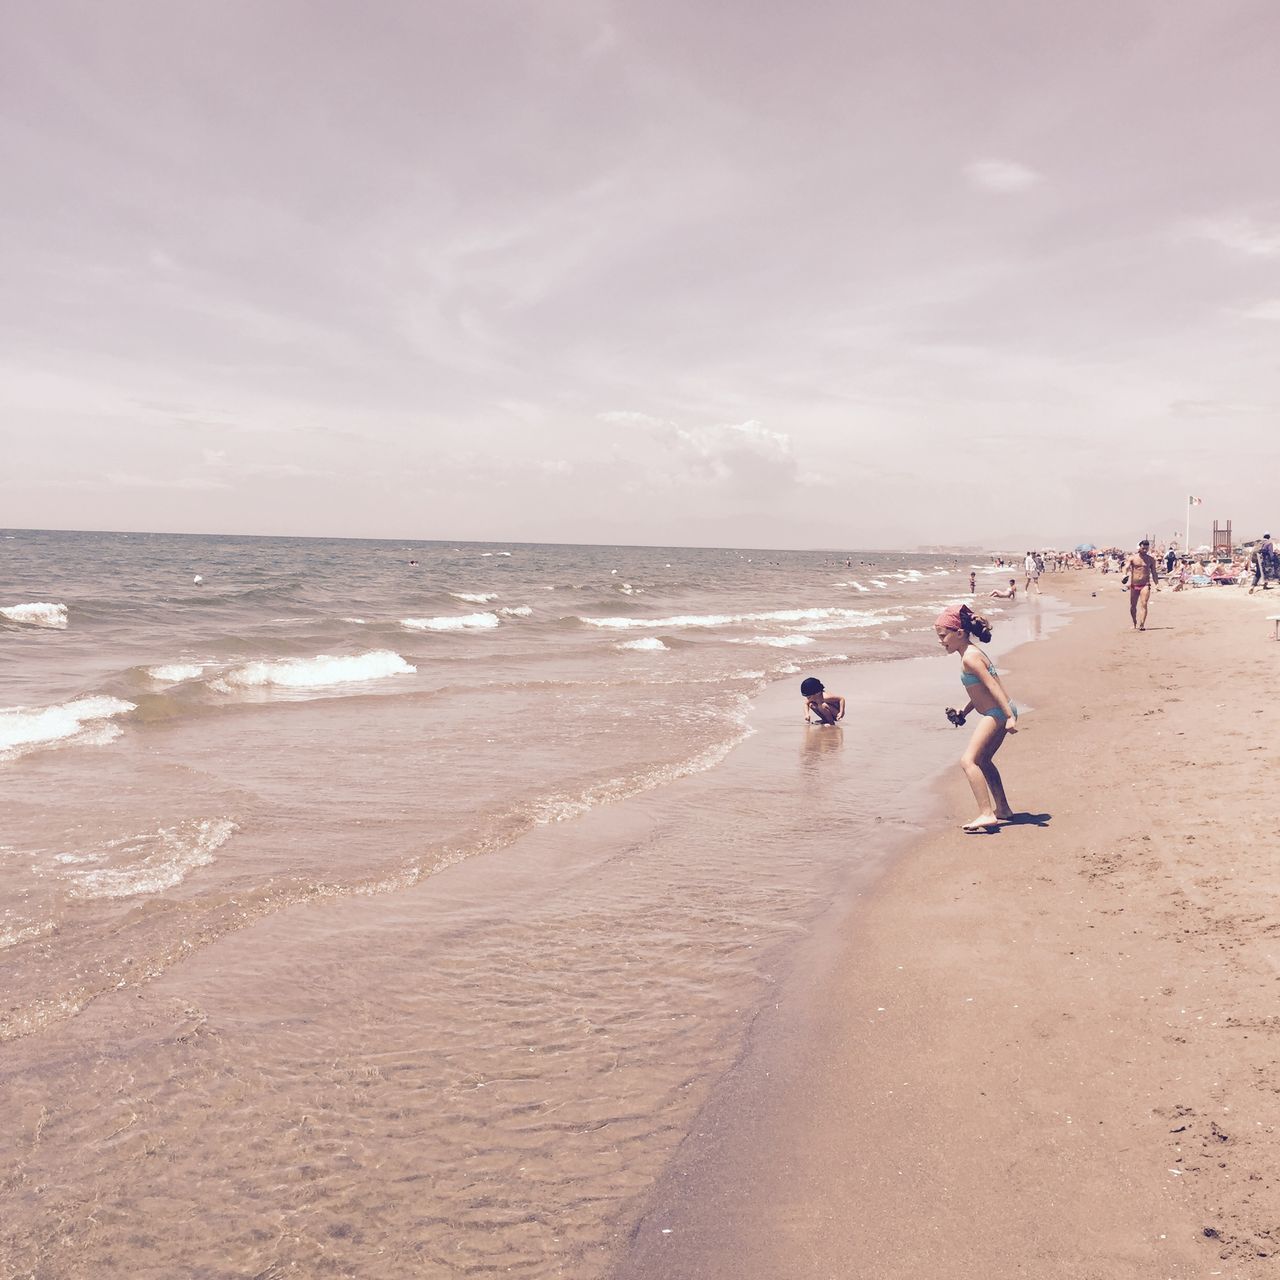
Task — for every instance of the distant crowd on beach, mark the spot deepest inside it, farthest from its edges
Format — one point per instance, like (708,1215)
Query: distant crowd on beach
(1254,565)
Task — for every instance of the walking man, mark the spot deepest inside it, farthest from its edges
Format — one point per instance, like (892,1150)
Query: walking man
(1033,574)
(1141,573)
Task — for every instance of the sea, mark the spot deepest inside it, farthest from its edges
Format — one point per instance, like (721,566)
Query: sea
(403,900)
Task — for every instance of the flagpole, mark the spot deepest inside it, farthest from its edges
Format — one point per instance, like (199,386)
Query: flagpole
(1186,546)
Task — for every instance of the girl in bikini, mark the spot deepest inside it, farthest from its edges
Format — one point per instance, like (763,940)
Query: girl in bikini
(999,714)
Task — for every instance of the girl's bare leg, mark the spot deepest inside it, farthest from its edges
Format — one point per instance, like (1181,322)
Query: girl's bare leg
(987,735)
(995,782)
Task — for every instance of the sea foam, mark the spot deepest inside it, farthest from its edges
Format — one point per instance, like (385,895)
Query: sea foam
(474,597)
(85,721)
(777,642)
(175,672)
(309,673)
(158,860)
(648,642)
(727,619)
(36,614)
(460,622)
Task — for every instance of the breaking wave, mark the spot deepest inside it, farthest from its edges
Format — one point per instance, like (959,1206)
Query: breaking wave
(308,673)
(726,619)
(36,614)
(460,622)
(84,721)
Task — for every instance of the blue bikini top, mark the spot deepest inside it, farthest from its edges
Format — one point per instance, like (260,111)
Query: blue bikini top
(967,677)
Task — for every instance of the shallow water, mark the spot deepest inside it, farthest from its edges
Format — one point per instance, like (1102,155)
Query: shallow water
(313,1047)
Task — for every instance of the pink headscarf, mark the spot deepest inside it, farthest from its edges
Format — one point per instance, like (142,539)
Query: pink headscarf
(951,619)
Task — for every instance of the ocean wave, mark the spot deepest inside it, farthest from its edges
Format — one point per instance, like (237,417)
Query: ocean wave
(777,642)
(849,624)
(37,614)
(724,619)
(307,673)
(516,611)
(460,622)
(176,672)
(159,860)
(647,643)
(84,721)
(474,597)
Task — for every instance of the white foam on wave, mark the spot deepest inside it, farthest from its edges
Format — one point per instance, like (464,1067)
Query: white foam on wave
(516,611)
(851,624)
(460,622)
(309,673)
(474,597)
(724,619)
(38,614)
(158,860)
(175,672)
(12,934)
(83,721)
(561,808)
(875,582)
(777,642)
(647,643)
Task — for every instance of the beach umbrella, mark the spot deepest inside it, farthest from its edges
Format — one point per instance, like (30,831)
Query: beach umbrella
(1085,546)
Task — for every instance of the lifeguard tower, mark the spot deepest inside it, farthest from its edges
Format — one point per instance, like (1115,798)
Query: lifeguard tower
(1222,544)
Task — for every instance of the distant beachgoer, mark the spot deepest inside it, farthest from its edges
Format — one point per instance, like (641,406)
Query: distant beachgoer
(1170,559)
(1033,573)
(1261,561)
(1011,594)
(1141,574)
(828,707)
(973,582)
(956,628)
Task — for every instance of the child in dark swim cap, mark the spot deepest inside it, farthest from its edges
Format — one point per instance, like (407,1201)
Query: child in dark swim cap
(828,707)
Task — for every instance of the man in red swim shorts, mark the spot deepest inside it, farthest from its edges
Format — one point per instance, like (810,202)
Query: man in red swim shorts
(1141,568)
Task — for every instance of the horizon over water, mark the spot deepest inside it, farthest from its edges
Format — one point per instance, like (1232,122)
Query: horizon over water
(229,807)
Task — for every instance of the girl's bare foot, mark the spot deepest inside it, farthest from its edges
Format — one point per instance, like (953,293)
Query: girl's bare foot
(984,822)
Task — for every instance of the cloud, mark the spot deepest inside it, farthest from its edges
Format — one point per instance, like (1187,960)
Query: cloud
(1269,310)
(1005,176)
(127,480)
(1240,233)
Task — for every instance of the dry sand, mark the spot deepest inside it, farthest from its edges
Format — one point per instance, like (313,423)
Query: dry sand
(1053,1051)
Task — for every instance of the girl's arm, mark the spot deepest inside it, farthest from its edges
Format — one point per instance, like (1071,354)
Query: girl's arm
(840,712)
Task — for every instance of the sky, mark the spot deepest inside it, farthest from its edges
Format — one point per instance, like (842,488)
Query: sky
(793,274)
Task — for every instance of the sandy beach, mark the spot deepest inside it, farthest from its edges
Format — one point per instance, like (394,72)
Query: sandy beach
(1050,1052)
(778,1018)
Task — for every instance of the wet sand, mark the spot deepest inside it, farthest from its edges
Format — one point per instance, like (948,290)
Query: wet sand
(1053,1051)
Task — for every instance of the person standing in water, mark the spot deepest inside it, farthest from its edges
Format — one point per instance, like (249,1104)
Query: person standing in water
(1140,570)
(998,714)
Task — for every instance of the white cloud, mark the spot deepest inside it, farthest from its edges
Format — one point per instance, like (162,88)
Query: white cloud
(1240,233)
(1269,310)
(1001,175)
(127,480)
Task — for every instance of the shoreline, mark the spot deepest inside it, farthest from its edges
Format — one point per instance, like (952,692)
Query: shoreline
(525,1037)
(1048,1052)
